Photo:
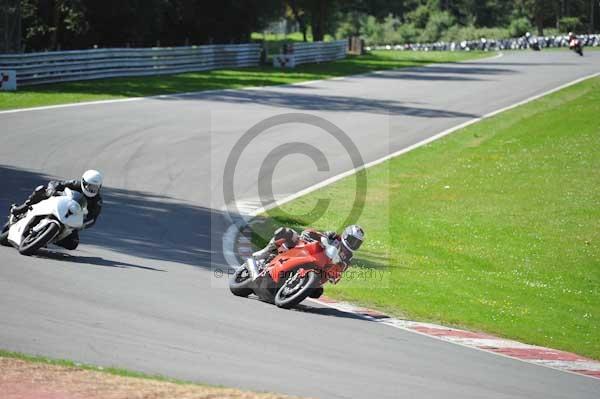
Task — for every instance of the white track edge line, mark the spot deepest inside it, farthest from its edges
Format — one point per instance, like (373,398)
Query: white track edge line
(230,234)
(417,145)
(232,231)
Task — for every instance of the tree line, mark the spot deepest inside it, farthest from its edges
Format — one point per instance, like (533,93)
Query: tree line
(427,21)
(34,25)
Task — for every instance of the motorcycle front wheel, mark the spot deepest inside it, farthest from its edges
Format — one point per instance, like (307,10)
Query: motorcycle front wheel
(296,289)
(240,281)
(32,242)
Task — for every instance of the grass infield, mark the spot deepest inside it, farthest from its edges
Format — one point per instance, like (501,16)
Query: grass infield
(105,89)
(495,227)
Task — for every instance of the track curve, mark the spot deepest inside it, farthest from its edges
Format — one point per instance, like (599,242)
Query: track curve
(140,293)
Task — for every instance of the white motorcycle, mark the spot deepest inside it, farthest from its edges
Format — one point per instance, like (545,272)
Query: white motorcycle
(47,222)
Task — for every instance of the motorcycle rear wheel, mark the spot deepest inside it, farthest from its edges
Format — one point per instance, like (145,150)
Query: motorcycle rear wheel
(297,292)
(30,245)
(240,281)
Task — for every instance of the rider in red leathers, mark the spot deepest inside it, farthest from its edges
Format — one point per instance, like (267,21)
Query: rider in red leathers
(286,238)
(571,37)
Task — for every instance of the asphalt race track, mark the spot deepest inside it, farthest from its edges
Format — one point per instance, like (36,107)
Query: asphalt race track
(139,293)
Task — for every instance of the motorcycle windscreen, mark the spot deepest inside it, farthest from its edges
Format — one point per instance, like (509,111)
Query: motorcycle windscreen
(79,198)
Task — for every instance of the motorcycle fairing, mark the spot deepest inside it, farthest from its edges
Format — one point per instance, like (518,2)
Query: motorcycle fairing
(59,207)
(302,255)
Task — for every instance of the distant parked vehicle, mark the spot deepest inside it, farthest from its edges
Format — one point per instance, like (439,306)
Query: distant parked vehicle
(490,44)
(535,45)
(533,42)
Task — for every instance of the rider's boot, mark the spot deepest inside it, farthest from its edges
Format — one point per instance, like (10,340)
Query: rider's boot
(17,211)
(38,195)
(266,251)
(71,242)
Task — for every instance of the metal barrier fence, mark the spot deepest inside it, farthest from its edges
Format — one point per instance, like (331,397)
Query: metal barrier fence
(320,51)
(63,66)
(518,43)
(310,52)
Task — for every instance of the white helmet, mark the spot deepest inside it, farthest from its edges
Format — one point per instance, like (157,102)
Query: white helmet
(91,181)
(352,238)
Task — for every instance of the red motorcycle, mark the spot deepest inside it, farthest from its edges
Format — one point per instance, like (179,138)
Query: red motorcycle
(291,276)
(575,45)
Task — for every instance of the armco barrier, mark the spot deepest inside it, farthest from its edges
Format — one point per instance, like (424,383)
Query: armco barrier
(311,52)
(63,66)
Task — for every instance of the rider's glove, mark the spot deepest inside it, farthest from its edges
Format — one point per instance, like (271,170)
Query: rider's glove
(51,189)
(331,235)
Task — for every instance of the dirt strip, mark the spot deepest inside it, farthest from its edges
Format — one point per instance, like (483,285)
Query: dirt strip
(21,379)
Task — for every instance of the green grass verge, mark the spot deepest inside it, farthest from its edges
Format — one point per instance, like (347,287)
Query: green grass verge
(109,370)
(92,90)
(495,227)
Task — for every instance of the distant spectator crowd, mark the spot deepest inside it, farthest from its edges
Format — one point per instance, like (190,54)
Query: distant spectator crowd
(483,44)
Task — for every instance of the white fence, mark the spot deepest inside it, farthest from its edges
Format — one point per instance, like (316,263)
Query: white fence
(320,51)
(311,52)
(63,66)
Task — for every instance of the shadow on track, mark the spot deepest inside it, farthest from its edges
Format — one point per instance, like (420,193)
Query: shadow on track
(223,79)
(134,223)
(306,307)
(90,260)
(438,72)
(320,102)
(521,63)
(309,100)
(329,312)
